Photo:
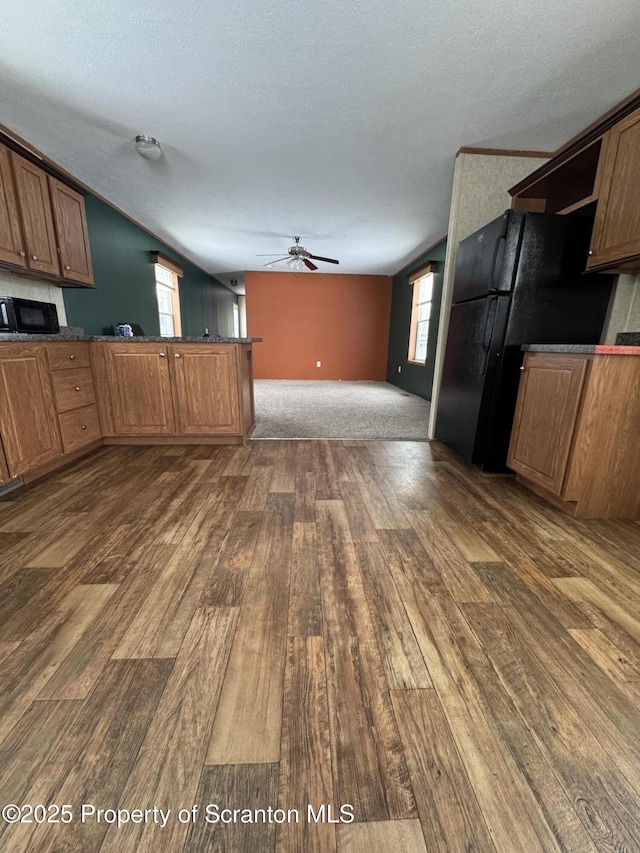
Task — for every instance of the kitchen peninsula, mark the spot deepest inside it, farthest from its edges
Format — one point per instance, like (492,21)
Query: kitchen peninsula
(62,396)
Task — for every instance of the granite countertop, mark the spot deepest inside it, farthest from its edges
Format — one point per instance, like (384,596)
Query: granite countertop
(118,339)
(583,349)
(212,339)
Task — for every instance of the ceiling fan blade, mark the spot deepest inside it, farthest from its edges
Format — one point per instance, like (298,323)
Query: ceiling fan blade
(326,260)
(308,264)
(286,258)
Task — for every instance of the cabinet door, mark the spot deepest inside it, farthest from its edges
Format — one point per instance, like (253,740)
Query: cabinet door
(546,416)
(11,249)
(36,214)
(28,420)
(71,230)
(616,232)
(206,387)
(137,378)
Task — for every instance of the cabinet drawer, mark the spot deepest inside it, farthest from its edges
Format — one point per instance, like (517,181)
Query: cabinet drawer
(66,356)
(73,389)
(79,427)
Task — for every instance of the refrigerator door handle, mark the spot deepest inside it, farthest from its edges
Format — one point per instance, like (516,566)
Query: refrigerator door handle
(489,320)
(498,252)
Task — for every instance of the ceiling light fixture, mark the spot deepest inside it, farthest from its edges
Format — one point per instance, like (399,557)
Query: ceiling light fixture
(148,147)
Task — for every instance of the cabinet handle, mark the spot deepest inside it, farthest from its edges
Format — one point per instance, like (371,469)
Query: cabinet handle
(177,355)
(77,387)
(34,257)
(163,355)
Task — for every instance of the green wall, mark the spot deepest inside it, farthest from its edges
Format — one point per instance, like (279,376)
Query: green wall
(415,378)
(125,287)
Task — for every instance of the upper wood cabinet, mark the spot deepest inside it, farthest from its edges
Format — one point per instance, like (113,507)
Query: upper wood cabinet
(71,231)
(206,389)
(28,420)
(36,215)
(616,232)
(133,389)
(598,174)
(43,225)
(11,247)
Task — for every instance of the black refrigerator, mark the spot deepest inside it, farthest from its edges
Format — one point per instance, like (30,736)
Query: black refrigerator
(519,280)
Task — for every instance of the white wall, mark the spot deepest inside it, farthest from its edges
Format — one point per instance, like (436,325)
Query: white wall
(480,194)
(16,285)
(624,312)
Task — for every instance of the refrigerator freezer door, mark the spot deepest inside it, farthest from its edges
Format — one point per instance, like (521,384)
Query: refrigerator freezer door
(476,332)
(554,301)
(486,261)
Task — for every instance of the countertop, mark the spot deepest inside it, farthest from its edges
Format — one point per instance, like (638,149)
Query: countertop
(118,339)
(583,349)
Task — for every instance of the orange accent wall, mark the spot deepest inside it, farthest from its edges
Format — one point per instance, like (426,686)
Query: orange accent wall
(339,320)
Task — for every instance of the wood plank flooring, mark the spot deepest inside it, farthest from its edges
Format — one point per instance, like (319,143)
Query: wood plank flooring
(365,625)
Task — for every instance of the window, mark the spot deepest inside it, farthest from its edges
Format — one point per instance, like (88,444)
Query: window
(168,295)
(420,317)
(236,321)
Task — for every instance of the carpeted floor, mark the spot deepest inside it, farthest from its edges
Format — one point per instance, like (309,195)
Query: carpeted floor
(287,408)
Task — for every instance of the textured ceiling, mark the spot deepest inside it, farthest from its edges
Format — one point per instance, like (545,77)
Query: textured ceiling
(336,121)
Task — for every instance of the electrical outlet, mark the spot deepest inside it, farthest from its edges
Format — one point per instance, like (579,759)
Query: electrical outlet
(318,364)
(399,368)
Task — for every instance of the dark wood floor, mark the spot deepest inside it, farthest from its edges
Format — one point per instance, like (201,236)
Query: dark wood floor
(362,623)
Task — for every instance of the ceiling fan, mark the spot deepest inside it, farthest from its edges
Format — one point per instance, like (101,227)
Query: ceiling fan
(298,258)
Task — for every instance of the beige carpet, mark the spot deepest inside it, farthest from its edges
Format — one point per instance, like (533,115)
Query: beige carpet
(288,408)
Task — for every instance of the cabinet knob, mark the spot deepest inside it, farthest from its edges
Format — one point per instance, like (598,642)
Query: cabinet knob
(34,257)
(72,357)
(590,252)
(83,426)
(77,387)
(177,355)
(67,267)
(163,355)
(22,254)
(522,368)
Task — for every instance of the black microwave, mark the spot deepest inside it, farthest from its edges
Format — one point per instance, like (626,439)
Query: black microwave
(28,316)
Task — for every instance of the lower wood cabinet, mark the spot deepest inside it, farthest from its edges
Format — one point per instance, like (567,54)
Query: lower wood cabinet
(188,392)
(59,400)
(28,419)
(576,431)
(205,381)
(74,394)
(545,418)
(79,428)
(134,389)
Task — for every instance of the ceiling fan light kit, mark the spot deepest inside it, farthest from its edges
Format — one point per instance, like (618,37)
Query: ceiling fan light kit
(299,259)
